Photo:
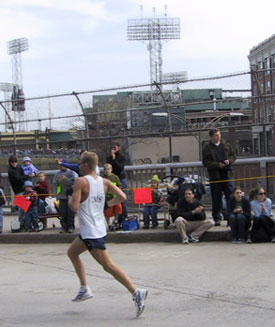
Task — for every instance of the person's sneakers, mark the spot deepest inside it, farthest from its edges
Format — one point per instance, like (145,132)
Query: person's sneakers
(273,240)
(184,241)
(217,223)
(70,230)
(83,294)
(139,297)
(248,241)
(193,239)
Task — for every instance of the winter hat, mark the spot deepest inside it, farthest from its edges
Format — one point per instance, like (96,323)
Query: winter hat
(26,159)
(28,183)
(155,178)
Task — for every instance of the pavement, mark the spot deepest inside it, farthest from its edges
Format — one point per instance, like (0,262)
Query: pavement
(209,284)
(52,234)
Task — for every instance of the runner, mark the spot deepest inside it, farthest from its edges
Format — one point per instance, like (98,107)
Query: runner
(88,199)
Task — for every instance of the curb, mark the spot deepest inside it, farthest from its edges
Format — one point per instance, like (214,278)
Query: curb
(139,236)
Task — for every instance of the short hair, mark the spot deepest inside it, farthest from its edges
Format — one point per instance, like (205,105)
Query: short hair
(12,159)
(115,143)
(107,165)
(90,158)
(189,189)
(40,173)
(213,131)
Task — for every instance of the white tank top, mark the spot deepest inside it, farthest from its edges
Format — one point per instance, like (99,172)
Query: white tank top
(91,211)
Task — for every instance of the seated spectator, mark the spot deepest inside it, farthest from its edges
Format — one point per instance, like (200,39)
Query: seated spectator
(42,189)
(191,218)
(239,213)
(151,209)
(263,223)
(31,215)
(116,210)
(28,167)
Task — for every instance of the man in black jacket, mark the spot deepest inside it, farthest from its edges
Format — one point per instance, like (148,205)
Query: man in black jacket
(218,157)
(118,161)
(192,218)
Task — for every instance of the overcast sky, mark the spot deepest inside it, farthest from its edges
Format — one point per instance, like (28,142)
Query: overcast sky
(82,45)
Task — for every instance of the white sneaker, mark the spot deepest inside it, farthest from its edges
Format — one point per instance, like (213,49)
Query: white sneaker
(139,298)
(83,295)
(185,241)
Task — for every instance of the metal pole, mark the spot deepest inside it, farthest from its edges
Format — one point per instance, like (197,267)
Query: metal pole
(169,123)
(85,121)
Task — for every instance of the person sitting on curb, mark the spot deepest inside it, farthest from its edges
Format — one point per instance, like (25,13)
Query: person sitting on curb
(239,215)
(191,218)
(151,209)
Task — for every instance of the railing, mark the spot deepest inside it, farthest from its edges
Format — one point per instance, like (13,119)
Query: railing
(247,173)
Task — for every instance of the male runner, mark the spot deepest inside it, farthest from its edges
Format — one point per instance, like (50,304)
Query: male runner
(88,199)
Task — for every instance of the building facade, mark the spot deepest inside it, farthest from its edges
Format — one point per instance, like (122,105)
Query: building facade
(262,64)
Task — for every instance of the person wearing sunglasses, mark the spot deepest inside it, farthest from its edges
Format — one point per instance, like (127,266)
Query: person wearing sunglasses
(263,221)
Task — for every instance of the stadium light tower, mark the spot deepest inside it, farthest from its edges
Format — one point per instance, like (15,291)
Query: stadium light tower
(154,31)
(15,47)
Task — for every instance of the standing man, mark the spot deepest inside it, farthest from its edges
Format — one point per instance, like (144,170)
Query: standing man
(88,199)
(64,179)
(218,157)
(118,161)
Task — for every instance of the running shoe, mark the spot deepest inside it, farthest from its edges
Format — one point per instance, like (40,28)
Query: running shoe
(83,295)
(139,298)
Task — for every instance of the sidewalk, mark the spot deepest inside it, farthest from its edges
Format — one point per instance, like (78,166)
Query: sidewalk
(52,235)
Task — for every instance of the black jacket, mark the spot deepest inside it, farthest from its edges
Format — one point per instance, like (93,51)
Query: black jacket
(17,179)
(245,206)
(185,208)
(118,164)
(211,162)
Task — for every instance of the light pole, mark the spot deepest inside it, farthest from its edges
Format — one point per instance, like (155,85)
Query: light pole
(12,127)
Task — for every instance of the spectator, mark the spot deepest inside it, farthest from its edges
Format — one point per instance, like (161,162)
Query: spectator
(118,161)
(239,214)
(151,209)
(28,167)
(74,166)
(2,202)
(191,218)
(17,180)
(263,223)
(31,215)
(64,180)
(218,157)
(42,187)
(116,210)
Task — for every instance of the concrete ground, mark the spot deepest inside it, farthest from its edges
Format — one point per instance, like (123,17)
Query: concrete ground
(206,284)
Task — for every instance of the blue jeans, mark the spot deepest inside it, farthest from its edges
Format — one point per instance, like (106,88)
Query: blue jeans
(150,211)
(217,190)
(1,219)
(239,225)
(31,218)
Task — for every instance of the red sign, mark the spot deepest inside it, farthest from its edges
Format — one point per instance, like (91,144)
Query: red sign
(142,195)
(21,202)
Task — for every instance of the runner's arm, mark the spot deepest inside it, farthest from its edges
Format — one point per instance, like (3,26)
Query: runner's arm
(119,195)
(75,199)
